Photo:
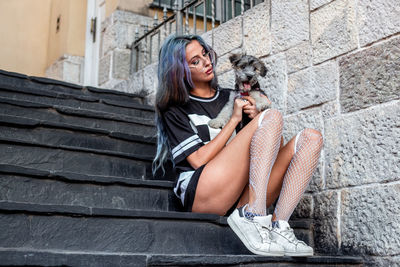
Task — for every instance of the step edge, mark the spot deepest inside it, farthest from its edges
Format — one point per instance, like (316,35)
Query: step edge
(83,178)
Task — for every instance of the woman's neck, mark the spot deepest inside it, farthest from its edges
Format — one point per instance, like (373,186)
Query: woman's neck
(203,90)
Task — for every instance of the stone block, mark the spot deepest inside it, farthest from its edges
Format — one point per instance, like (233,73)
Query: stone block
(227,80)
(363,147)
(392,261)
(305,208)
(121,63)
(289,23)
(377,19)
(275,82)
(294,124)
(150,79)
(256,30)
(223,63)
(136,83)
(107,37)
(312,86)
(333,30)
(227,37)
(314,4)
(105,69)
(326,224)
(330,110)
(371,76)
(371,219)
(298,57)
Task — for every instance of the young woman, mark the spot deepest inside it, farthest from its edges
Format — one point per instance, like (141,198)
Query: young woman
(224,172)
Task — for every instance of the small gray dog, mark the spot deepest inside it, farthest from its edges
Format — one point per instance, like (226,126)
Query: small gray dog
(247,69)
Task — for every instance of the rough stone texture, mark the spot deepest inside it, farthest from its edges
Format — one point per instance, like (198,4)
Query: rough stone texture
(326,231)
(227,79)
(372,227)
(333,30)
(298,57)
(305,208)
(105,69)
(227,37)
(289,23)
(377,19)
(363,147)
(257,34)
(371,76)
(392,261)
(67,68)
(121,63)
(330,110)
(150,81)
(294,124)
(312,86)
(136,83)
(223,63)
(275,82)
(318,3)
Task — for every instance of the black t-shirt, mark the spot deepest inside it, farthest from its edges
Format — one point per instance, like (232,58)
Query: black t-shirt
(187,126)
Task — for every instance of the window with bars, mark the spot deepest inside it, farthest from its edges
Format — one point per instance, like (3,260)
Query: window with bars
(230,8)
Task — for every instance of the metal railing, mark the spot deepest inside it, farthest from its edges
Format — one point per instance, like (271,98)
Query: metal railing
(144,49)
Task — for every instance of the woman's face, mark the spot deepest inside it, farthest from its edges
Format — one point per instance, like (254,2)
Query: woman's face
(199,63)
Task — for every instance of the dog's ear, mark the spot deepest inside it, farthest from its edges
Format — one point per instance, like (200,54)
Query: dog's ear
(234,58)
(260,67)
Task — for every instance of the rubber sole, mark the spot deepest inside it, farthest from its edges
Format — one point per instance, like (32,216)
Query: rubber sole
(237,231)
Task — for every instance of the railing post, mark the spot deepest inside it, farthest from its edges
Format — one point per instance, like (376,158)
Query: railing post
(134,54)
(179,17)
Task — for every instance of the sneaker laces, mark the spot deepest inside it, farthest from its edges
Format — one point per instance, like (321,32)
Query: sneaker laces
(289,234)
(264,232)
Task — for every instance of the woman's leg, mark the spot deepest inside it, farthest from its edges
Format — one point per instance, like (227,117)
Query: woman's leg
(299,173)
(224,177)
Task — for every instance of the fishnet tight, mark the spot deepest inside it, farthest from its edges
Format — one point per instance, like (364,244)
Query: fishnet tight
(264,148)
(299,173)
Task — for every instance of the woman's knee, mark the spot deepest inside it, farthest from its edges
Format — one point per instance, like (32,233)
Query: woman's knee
(271,115)
(313,137)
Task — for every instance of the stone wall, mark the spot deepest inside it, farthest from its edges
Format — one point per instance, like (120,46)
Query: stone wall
(67,68)
(117,35)
(333,65)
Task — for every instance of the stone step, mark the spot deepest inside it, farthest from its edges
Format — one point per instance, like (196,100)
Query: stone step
(141,111)
(25,185)
(29,257)
(51,159)
(64,227)
(142,131)
(79,112)
(77,141)
(16,82)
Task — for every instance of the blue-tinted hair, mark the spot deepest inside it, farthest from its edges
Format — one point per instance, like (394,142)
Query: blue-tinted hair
(174,85)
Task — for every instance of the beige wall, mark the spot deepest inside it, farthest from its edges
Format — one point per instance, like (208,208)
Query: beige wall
(70,39)
(24,35)
(29,42)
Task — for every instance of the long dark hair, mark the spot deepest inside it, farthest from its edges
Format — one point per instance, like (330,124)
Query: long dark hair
(174,85)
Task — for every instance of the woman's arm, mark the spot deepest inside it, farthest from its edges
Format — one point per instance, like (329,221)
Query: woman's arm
(211,149)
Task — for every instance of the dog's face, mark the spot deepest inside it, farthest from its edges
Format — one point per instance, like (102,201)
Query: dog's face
(247,69)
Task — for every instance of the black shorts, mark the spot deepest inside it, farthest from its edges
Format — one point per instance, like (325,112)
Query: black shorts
(191,192)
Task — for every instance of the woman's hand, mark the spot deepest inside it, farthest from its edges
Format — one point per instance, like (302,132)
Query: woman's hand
(238,106)
(250,109)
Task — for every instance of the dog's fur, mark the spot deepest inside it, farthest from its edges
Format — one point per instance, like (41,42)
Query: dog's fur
(247,70)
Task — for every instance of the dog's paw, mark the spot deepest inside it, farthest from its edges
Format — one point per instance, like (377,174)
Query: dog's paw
(216,123)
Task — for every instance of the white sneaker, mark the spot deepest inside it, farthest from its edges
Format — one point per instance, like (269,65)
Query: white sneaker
(284,236)
(255,234)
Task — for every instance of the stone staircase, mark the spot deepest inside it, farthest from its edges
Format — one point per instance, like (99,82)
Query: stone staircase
(76,187)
